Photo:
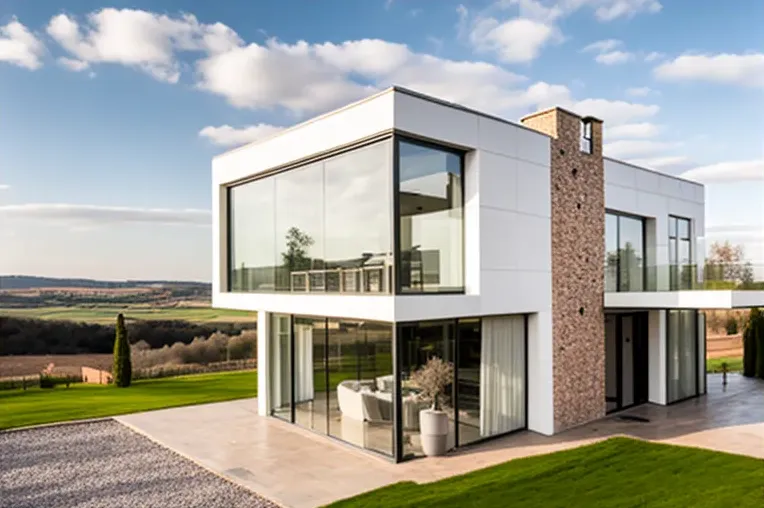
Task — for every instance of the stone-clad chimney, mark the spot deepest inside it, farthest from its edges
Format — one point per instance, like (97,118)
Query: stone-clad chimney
(578,249)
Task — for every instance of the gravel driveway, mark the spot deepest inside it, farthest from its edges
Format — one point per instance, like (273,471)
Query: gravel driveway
(104,464)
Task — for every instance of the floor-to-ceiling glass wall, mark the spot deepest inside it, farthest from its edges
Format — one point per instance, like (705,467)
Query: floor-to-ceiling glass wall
(624,253)
(682,347)
(280,371)
(488,395)
(339,375)
(431,218)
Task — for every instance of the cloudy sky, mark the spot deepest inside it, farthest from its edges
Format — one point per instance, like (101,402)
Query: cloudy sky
(110,113)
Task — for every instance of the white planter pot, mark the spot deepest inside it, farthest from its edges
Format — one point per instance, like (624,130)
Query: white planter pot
(433,427)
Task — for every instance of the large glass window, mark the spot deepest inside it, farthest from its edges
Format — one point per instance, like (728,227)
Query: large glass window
(324,227)
(431,220)
(488,397)
(624,253)
(682,345)
(252,241)
(681,269)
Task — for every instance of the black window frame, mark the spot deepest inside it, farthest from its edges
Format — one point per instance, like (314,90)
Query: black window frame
(674,275)
(643,220)
(397,139)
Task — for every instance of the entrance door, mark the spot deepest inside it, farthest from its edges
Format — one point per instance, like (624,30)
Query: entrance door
(626,360)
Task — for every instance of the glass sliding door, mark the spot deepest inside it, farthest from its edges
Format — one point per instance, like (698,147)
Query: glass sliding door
(682,346)
(280,352)
(468,344)
(420,342)
(310,394)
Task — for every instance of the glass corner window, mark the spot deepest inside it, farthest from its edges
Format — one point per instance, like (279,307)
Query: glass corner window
(430,218)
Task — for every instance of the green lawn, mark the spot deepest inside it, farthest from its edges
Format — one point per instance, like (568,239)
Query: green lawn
(714,365)
(618,472)
(106,314)
(32,407)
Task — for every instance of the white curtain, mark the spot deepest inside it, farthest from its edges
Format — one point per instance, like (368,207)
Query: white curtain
(502,375)
(279,364)
(303,363)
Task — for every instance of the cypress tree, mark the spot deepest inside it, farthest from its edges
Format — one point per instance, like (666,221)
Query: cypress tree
(758,339)
(749,344)
(123,370)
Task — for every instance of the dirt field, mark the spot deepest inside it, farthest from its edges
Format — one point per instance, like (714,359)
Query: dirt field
(11,366)
(105,314)
(719,346)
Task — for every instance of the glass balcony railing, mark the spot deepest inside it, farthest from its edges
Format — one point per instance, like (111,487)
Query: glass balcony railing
(692,277)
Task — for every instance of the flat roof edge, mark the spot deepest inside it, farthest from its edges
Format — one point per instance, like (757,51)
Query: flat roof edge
(619,161)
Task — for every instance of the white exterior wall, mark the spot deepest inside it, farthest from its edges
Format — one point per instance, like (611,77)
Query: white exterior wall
(507,225)
(655,196)
(656,350)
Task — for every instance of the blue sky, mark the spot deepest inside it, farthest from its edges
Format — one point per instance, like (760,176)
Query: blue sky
(110,113)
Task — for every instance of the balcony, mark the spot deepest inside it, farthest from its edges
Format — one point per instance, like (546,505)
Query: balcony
(709,286)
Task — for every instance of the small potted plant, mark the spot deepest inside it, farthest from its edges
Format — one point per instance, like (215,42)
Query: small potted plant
(432,379)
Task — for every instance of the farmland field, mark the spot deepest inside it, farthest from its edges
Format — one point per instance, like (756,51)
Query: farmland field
(30,365)
(106,314)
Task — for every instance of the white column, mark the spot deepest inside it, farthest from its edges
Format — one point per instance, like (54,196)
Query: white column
(657,356)
(540,373)
(263,363)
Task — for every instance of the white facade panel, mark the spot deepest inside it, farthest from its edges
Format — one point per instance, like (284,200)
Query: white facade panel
(515,292)
(347,125)
(656,350)
(473,169)
(540,373)
(622,199)
(534,195)
(533,147)
(621,175)
(499,181)
(515,241)
(435,121)
(498,137)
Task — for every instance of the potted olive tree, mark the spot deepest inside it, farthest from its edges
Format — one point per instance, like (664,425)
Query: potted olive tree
(432,379)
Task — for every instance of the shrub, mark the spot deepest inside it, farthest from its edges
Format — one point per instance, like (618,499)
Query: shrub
(122,370)
(731,326)
(750,344)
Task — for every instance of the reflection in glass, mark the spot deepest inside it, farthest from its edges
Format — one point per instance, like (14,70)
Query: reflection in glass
(358,217)
(323,227)
(253,251)
(431,219)
(682,350)
(468,382)
(310,394)
(611,252)
(682,271)
(361,384)
(280,366)
(420,342)
(631,253)
(300,229)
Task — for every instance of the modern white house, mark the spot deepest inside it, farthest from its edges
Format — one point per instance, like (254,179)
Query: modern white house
(560,284)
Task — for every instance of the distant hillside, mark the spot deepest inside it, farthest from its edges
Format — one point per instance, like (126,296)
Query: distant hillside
(32,282)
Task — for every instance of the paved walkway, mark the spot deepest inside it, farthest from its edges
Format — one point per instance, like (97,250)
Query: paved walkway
(297,468)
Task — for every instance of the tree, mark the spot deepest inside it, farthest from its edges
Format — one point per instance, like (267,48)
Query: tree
(297,243)
(757,338)
(726,262)
(123,370)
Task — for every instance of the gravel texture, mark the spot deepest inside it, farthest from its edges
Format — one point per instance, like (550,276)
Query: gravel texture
(105,464)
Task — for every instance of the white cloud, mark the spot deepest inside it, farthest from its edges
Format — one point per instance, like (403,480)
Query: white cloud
(94,214)
(225,135)
(629,148)
(608,10)
(632,130)
(614,57)
(653,56)
(19,46)
(731,171)
(661,162)
(4,186)
(745,70)
(602,46)
(514,40)
(615,113)
(641,91)
(73,64)
(139,39)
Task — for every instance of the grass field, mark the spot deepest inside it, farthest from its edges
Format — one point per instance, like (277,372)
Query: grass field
(618,472)
(37,406)
(734,364)
(107,314)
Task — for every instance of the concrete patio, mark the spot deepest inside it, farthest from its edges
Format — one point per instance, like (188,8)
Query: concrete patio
(297,468)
